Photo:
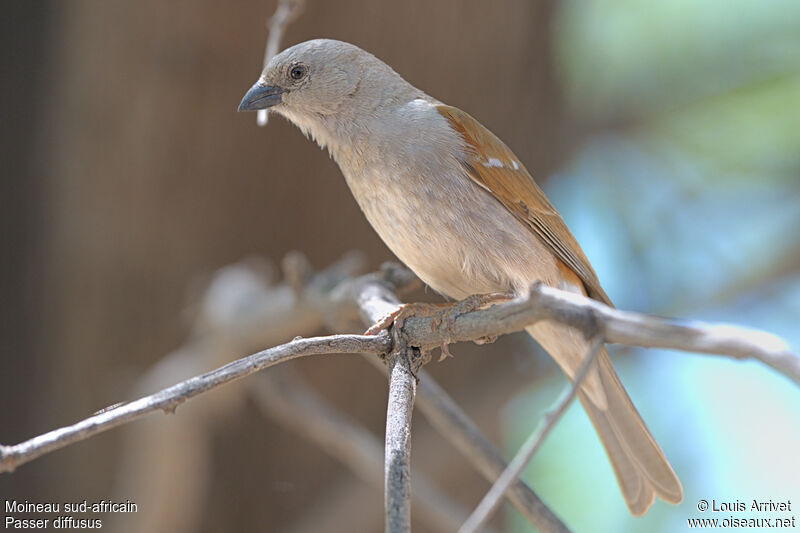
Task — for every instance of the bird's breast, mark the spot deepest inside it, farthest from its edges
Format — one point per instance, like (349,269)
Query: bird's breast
(454,235)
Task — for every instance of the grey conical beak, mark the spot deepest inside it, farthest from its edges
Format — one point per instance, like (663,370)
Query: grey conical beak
(261,97)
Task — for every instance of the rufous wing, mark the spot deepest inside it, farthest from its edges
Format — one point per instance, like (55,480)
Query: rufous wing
(641,468)
(493,166)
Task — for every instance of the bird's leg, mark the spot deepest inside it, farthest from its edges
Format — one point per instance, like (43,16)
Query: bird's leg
(467,305)
(443,316)
(399,315)
(479,301)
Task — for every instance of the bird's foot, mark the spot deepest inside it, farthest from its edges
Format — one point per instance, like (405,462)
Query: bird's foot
(479,301)
(467,305)
(445,320)
(443,316)
(418,309)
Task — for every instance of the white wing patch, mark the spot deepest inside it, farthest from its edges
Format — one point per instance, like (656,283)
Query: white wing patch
(496,163)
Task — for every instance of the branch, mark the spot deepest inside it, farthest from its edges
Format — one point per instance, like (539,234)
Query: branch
(242,308)
(621,327)
(542,303)
(285,396)
(492,500)
(238,311)
(397,457)
(286,12)
(453,423)
(168,399)
(375,299)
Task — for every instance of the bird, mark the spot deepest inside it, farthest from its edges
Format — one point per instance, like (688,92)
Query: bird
(458,208)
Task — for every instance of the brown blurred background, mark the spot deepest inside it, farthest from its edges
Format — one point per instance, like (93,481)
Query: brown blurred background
(129,178)
(665,133)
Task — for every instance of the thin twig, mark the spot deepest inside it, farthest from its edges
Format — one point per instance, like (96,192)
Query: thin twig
(397,457)
(286,12)
(492,500)
(463,434)
(453,423)
(168,399)
(375,300)
(542,303)
(283,395)
(242,307)
(237,308)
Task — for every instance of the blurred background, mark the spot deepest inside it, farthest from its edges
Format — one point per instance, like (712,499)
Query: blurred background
(667,133)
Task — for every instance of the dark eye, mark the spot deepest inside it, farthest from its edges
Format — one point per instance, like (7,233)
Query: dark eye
(298,72)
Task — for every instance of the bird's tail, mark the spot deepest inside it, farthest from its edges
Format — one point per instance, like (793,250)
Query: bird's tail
(640,466)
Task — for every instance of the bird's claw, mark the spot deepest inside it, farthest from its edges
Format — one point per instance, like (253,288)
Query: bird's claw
(467,305)
(445,351)
(443,316)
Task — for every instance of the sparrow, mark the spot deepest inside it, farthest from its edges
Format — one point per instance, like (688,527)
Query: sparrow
(457,206)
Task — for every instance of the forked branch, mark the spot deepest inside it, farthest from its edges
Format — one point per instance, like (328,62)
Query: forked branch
(372,297)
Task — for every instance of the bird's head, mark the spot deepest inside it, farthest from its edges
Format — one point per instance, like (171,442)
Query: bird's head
(314,77)
(323,85)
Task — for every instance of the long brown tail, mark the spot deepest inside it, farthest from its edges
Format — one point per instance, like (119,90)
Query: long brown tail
(640,466)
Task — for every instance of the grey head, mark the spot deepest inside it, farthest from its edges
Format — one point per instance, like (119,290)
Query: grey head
(322,84)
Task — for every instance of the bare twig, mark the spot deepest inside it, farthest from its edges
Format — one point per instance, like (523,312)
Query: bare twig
(286,12)
(168,399)
(492,500)
(453,424)
(375,301)
(622,327)
(397,457)
(239,311)
(165,460)
(284,395)
(451,421)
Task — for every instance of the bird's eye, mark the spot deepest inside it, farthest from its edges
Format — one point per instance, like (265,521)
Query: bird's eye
(298,72)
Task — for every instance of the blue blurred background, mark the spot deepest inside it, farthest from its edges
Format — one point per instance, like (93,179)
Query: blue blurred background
(686,198)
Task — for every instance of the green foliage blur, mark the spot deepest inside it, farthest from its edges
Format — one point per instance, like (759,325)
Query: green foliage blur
(686,198)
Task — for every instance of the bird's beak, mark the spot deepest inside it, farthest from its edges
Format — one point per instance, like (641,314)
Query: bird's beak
(261,97)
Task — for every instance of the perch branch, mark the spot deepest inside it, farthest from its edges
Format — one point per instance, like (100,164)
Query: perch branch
(240,309)
(284,396)
(237,307)
(397,456)
(451,421)
(620,327)
(375,299)
(168,399)
(492,500)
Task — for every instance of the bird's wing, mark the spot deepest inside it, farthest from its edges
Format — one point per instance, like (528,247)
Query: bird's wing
(493,166)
